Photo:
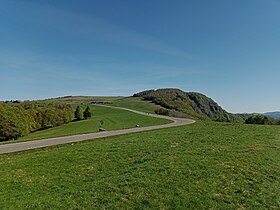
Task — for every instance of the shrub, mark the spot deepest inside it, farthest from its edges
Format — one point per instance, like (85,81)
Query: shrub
(257,119)
(79,113)
(162,111)
(87,113)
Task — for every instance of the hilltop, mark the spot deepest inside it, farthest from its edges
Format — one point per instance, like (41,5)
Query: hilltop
(167,101)
(192,104)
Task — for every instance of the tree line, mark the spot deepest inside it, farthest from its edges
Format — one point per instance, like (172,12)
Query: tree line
(18,120)
(261,120)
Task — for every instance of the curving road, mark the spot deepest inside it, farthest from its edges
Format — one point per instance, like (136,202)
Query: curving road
(21,146)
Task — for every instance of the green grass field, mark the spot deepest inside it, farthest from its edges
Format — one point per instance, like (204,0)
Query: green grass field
(136,103)
(83,99)
(114,119)
(205,165)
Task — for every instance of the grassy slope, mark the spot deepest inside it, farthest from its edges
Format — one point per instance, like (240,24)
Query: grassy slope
(83,99)
(114,119)
(127,102)
(200,166)
(136,103)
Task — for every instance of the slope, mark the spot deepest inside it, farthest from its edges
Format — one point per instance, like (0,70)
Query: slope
(193,104)
(205,165)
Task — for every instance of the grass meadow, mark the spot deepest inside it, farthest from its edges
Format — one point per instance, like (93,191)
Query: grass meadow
(136,103)
(205,165)
(114,119)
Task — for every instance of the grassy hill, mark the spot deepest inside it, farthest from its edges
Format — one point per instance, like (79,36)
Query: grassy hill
(92,125)
(177,102)
(195,105)
(114,119)
(136,103)
(82,99)
(206,165)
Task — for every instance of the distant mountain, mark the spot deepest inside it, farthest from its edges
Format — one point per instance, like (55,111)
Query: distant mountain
(193,104)
(275,115)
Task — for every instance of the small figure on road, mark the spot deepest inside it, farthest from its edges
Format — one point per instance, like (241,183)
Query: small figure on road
(101,123)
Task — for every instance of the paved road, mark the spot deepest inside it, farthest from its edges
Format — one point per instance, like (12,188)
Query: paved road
(15,147)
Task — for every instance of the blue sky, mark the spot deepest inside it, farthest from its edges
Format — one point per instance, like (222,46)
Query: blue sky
(226,49)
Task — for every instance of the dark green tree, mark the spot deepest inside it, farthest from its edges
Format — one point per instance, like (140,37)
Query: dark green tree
(49,118)
(257,119)
(87,113)
(79,113)
(14,122)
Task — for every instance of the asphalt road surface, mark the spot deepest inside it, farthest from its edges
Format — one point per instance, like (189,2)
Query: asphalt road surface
(21,146)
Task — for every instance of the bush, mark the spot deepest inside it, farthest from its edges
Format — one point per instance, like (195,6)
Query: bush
(174,113)
(257,119)
(87,113)
(79,113)
(162,111)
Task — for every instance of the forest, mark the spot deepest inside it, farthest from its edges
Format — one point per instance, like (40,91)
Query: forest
(20,119)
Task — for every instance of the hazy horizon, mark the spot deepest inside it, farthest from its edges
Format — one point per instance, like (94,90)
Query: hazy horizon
(227,50)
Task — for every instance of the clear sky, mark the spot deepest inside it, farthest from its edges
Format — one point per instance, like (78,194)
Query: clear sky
(226,49)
